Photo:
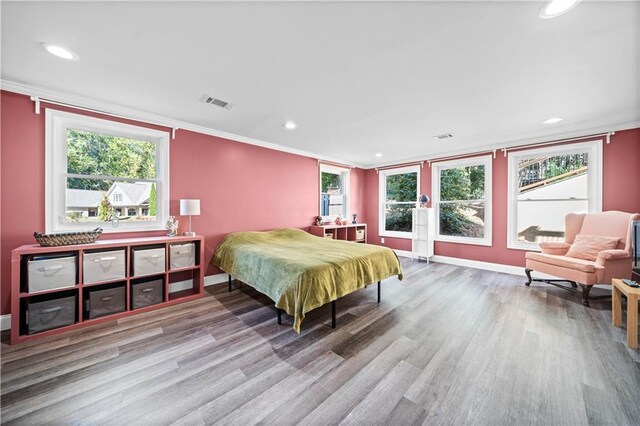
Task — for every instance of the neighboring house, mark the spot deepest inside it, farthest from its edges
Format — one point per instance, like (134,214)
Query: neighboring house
(84,201)
(128,199)
(542,217)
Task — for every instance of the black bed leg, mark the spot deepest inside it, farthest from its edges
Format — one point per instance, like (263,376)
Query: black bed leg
(333,314)
(229,283)
(279,316)
(378,291)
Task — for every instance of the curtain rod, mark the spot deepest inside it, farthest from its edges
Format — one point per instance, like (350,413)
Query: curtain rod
(396,166)
(332,163)
(494,151)
(559,141)
(37,100)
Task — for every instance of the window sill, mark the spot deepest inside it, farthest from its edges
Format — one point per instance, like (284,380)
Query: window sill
(401,235)
(467,241)
(523,248)
(107,229)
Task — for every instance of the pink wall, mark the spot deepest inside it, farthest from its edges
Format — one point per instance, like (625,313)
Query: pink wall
(241,186)
(245,187)
(621,180)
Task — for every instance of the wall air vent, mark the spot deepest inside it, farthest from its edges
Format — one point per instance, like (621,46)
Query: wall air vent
(443,136)
(217,102)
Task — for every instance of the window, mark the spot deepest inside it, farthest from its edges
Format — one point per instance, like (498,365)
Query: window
(547,183)
(334,192)
(131,212)
(398,195)
(94,166)
(462,200)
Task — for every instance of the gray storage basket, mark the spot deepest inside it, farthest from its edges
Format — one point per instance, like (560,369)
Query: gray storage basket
(106,301)
(50,314)
(146,293)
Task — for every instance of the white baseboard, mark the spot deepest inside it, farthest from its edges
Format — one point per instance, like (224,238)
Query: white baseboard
(403,253)
(5,320)
(487,266)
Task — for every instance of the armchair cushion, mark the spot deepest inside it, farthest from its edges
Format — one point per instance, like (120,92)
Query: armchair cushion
(556,248)
(563,262)
(612,255)
(587,247)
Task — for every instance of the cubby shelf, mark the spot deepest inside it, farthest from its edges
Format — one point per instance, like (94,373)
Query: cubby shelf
(354,232)
(20,297)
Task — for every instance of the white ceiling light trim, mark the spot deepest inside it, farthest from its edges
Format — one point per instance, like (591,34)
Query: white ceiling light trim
(290,125)
(60,51)
(553,120)
(554,8)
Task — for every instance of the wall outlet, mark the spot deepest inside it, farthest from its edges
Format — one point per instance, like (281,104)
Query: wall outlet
(382,240)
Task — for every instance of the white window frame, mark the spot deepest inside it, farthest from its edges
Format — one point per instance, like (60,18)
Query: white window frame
(436,168)
(382,199)
(57,125)
(345,174)
(594,183)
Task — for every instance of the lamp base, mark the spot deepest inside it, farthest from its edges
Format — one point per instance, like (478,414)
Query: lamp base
(189,234)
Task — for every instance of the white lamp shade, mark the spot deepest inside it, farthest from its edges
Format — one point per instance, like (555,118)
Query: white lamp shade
(189,207)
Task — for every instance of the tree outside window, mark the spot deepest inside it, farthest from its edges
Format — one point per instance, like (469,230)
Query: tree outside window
(398,195)
(462,199)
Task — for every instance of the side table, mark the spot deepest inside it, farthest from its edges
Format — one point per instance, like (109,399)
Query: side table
(633,294)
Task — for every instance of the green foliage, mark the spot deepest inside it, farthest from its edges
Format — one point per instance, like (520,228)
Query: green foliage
(74,216)
(533,170)
(104,209)
(152,200)
(402,187)
(462,184)
(330,181)
(399,218)
(91,153)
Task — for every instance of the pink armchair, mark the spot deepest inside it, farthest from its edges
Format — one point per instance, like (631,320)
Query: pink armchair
(578,260)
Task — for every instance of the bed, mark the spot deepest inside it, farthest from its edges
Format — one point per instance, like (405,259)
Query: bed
(301,272)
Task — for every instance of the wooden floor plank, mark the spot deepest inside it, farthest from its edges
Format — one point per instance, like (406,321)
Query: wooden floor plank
(447,345)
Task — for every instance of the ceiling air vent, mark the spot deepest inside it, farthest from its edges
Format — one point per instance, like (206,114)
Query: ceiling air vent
(217,102)
(443,136)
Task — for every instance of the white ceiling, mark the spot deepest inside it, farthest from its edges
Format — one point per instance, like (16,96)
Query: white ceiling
(358,78)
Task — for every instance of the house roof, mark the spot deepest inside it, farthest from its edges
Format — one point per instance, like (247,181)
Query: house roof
(134,194)
(83,198)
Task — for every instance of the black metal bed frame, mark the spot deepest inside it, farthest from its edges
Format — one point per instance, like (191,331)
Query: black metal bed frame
(333,305)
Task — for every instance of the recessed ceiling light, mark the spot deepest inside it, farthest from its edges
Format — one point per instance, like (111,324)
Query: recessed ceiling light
(60,52)
(378,154)
(554,8)
(290,125)
(553,120)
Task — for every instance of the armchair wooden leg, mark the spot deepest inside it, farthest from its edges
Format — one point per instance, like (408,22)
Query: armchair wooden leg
(585,294)
(528,272)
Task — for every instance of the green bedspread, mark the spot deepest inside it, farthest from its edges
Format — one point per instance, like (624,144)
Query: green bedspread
(301,272)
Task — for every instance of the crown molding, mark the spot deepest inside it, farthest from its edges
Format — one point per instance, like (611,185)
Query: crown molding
(149,117)
(513,143)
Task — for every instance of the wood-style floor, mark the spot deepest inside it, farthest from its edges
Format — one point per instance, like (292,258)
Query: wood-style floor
(448,345)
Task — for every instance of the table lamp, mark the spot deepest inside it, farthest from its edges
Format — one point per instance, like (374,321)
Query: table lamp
(190,208)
